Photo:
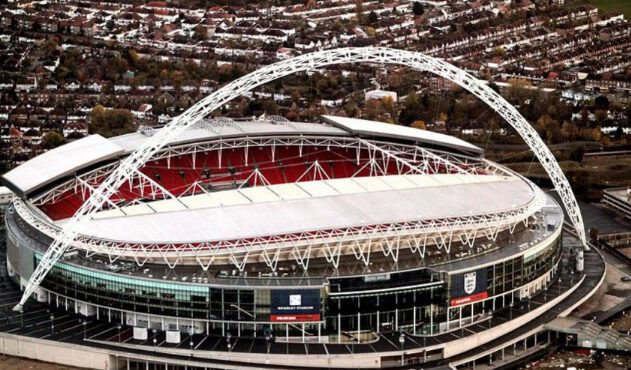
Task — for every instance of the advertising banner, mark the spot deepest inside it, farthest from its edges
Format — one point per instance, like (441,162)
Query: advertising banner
(295,305)
(468,287)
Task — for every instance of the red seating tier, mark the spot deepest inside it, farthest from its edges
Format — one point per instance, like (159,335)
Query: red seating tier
(179,174)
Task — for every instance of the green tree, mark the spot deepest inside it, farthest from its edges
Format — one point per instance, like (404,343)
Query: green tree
(372,18)
(417,8)
(602,101)
(577,154)
(411,109)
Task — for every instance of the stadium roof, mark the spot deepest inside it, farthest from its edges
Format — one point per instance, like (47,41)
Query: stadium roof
(75,156)
(374,128)
(60,162)
(308,206)
(208,130)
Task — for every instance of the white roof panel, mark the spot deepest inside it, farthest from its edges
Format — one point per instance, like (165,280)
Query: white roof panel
(259,194)
(110,213)
(398,182)
(315,213)
(423,181)
(168,205)
(230,198)
(373,128)
(61,161)
(372,183)
(138,209)
(346,186)
(200,201)
(290,191)
(317,188)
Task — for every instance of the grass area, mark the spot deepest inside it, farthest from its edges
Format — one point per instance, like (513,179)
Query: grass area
(610,5)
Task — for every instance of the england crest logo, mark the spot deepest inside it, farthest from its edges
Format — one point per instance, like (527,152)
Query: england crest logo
(469,282)
(295,300)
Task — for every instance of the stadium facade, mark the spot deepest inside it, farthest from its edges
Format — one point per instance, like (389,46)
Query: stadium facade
(354,243)
(327,232)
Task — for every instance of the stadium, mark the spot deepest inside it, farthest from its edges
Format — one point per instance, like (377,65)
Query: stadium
(338,243)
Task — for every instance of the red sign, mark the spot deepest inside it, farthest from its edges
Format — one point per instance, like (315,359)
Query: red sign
(469,298)
(295,318)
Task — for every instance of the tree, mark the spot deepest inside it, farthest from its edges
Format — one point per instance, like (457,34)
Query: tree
(601,101)
(359,10)
(295,96)
(110,122)
(577,154)
(52,139)
(569,131)
(417,8)
(619,132)
(601,116)
(548,128)
(420,124)
(372,18)
(519,89)
(494,87)
(134,57)
(411,109)
(201,33)
(351,110)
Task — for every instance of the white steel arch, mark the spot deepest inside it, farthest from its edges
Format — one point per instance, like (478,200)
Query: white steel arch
(306,62)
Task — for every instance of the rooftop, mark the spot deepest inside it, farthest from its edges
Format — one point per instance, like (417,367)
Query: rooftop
(68,159)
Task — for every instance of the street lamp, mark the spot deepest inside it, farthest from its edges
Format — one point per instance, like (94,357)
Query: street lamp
(402,341)
(228,337)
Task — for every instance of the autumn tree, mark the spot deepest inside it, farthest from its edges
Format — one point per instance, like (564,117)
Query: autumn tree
(519,89)
(359,10)
(110,122)
(419,124)
(134,57)
(52,139)
(569,131)
(200,33)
